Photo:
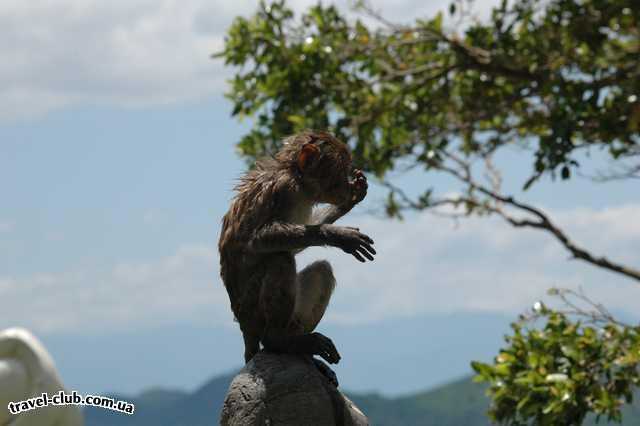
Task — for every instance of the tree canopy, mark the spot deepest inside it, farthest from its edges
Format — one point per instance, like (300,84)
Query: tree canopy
(558,76)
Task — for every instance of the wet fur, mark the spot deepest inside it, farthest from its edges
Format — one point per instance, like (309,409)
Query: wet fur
(273,193)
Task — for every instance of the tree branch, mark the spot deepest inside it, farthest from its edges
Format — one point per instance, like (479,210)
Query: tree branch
(461,170)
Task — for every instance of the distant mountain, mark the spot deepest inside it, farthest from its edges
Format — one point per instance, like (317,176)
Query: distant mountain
(441,346)
(456,404)
(460,403)
(167,407)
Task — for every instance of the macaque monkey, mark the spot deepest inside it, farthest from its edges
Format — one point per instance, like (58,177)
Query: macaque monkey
(270,220)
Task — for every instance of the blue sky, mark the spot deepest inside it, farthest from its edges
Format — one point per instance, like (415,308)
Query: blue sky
(117,162)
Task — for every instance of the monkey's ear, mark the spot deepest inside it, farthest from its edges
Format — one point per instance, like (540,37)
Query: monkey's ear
(308,154)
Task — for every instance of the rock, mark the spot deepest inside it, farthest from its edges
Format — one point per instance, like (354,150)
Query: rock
(283,390)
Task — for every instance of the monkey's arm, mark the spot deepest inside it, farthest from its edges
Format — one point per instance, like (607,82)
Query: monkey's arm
(330,214)
(327,216)
(359,188)
(280,236)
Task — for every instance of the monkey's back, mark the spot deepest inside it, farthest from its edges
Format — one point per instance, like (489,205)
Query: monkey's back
(240,274)
(257,202)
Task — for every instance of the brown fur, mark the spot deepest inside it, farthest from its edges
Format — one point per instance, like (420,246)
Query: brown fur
(268,222)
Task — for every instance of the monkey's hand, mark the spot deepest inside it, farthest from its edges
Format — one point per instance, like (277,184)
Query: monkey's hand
(318,344)
(353,242)
(358,186)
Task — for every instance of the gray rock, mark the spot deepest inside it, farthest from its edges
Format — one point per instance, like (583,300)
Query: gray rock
(283,390)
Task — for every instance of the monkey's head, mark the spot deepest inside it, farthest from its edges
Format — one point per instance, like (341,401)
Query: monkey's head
(322,164)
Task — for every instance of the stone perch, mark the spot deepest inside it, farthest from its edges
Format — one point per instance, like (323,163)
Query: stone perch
(286,390)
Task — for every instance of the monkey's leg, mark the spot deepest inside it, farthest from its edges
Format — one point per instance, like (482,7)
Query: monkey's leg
(315,284)
(250,318)
(277,301)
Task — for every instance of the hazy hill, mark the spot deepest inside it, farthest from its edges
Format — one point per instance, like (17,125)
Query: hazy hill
(460,403)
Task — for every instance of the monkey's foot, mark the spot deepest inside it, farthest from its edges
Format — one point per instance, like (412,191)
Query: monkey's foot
(326,371)
(315,344)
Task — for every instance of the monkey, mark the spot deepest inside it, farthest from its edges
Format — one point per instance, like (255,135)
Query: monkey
(270,220)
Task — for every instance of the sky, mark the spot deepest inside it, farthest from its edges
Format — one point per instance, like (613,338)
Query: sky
(117,162)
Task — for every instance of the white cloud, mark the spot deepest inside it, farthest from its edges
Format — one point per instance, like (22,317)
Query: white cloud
(183,286)
(427,265)
(424,265)
(126,53)
(6,227)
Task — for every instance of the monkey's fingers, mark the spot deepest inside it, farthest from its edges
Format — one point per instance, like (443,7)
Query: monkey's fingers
(330,349)
(360,187)
(327,357)
(362,250)
(367,246)
(357,255)
(324,355)
(360,236)
(327,350)
(359,175)
(333,356)
(366,238)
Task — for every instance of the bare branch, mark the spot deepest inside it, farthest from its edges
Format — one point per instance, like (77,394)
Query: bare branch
(492,174)
(495,202)
(577,303)
(472,57)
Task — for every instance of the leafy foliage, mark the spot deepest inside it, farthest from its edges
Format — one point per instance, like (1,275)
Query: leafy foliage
(561,372)
(558,76)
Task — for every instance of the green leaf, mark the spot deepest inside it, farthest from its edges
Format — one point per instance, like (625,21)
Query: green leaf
(296,119)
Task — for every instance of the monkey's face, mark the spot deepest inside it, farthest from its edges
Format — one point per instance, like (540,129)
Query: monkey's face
(325,165)
(335,186)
